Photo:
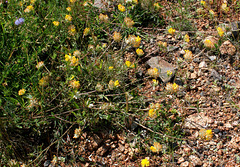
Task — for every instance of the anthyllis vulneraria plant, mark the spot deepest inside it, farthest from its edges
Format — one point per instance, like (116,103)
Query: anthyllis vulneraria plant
(156,148)
(188,56)
(205,134)
(172,88)
(145,162)
(171,31)
(153,72)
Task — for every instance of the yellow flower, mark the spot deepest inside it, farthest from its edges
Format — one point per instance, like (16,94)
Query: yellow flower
(76,53)
(72,1)
(56,23)
(145,162)
(135,1)
(156,6)
(20,4)
(128,22)
(224,7)
(188,55)
(151,113)
(68,18)
(121,8)
(139,52)
(186,38)
(74,84)
(162,44)
(21,92)
(110,67)
(77,133)
(155,82)
(68,57)
(172,88)
(128,63)
(208,43)
(32,1)
(169,73)
(111,84)
(116,83)
(156,148)
(212,13)
(86,31)
(74,61)
(203,3)
(153,72)
(175,87)
(69,9)
(171,31)
(40,64)
(209,134)
(44,81)
(220,31)
(72,30)
(137,42)
(205,134)
(103,18)
(28,9)
(117,36)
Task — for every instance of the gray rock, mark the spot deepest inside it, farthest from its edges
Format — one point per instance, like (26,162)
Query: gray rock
(195,161)
(101,4)
(203,64)
(215,75)
(212,58)
(162,66)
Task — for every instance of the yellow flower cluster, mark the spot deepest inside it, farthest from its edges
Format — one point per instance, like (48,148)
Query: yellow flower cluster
(69,9)
(152,113)
(56,23)
(113,84)
(157,147)
(139,52)
(153,72)
(133,41)
(172,88)
(220,31)
(72,59)
(208,44)
(117,36)
(68,18)
(110,67)
(40,64)
(128,22)
(29,9)
(21,92)
(205,134)
(145,162)
(44,81)
(74,84)
(156,6)
(162,44)
(103,18)
(86,31)
(171,31)
(155,82)
(188,55)
(212,13)
(72,30)
(186,38)
(73,1)
(77,133)
(169,73)
(121,8)
(224,7)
